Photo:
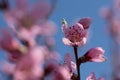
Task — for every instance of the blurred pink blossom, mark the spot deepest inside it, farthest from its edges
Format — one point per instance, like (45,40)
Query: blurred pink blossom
(64,71)
(33,61)
(61,73)
(93,77)
(45,29)
(25,17)
(69,63)
(11,45)
(106,12)
(31,65)
(115,30)
(21,5)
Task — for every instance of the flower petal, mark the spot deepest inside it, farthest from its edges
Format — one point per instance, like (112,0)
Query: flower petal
(67,42)
(91,76)
(85,22)
(67,59)
(22,4)
(82,42)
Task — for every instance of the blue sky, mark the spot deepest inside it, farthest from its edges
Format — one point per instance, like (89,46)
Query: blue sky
(75,9)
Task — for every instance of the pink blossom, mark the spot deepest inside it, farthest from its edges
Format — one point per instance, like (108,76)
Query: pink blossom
(61,73)
(38,29)
(106,12)
(21,5)
(69,63)
(77,34)
(49,67)
(30,66)
(29,35)
(28,23)
(95,55)
(7,41)
(93,77)
(46,29)
(64,71)
(116,7)
(36,54)
(25,17)
(114,29)
(11,45)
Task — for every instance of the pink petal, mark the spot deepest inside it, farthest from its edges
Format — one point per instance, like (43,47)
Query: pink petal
(85,22)
(101,58)
(36,72)
(82,42)
(67,42)
(7,40)
(101,78)
(67,58)
(61,73)
(105,12)
(37,54)
(52,56)
(21,4)
(91,76)
(69,63)
(73,66)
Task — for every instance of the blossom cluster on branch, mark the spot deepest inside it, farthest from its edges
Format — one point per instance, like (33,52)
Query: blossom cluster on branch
(28,44)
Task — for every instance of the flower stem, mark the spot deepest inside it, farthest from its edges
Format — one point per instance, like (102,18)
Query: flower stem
(77,61)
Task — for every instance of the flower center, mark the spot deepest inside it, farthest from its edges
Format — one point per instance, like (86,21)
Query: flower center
(74,34)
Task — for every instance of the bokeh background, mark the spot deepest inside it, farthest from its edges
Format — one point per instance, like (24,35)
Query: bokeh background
(73,10)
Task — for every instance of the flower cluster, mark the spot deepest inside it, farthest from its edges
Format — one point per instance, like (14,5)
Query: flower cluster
(28,44)
(76,36)
(28,59)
